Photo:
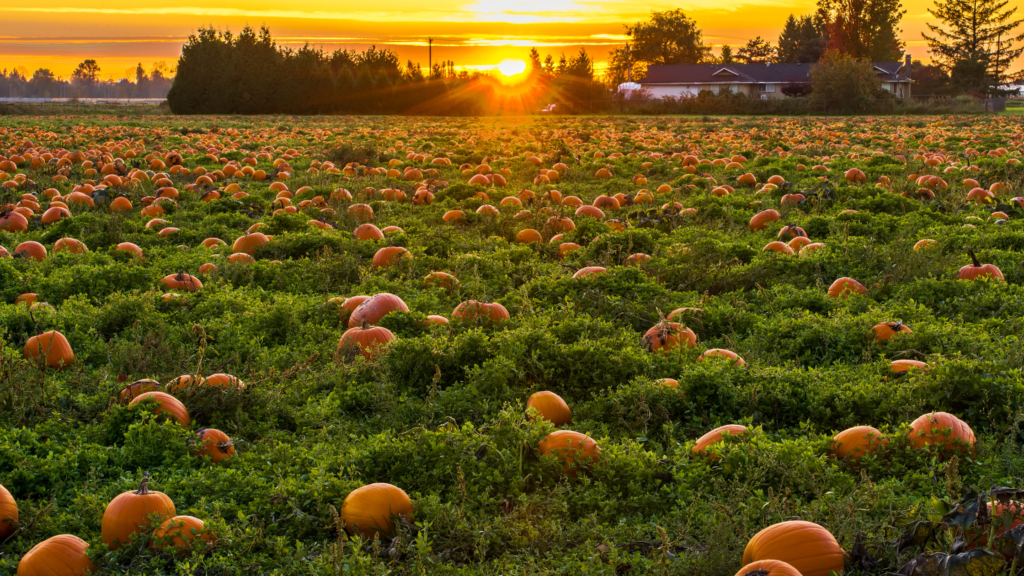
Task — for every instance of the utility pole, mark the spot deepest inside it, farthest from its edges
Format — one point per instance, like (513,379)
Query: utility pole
(430,56)
(629,65)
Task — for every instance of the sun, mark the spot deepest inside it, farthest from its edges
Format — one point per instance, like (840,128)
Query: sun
(511,67)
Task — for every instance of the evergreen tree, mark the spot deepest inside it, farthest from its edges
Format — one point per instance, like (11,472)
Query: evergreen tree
(757,51)
(976,41)
(726,56)
(535,64)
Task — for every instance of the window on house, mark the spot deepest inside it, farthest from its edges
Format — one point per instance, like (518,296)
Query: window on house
(766,87)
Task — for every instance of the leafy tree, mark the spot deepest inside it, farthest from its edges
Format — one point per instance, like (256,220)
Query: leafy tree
(842,82)
(669,37)
(975,42)
(87,73)
(43,83)
(864,29)
(726,56)
(757,51)
(801,40)
(930,80)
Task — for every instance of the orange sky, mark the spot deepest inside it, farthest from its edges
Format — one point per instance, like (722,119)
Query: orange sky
(473,33)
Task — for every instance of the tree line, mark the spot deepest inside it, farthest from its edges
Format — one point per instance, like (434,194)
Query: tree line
(973,46)
(85,82)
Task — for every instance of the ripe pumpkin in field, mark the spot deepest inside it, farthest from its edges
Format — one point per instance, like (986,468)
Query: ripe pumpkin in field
(441,279)
(61,555)
(367,232)
(213,443)
(130,248)
(854,175)
(666,336)
(576,451)
(129,513)
(904,366)
(222,380)
(371,310)
(13,222)
(761,220)
(885,331)
(528,236)
(167,405)
(714,437)
(368,340)
(369,509)
(52,346)
(70,245)
(180,532)
(434,319)
(589,271)
(858,441)
(453,215)
(780,247)
(241,257)
(181,281)
(349,305)
(807,547)
(926,243)
(720,352)
(131,391)
(768,568)
(390,255)
(33,250)
(943,430)
(8,513)
(550,406)
(971,271)
(843,287)
(471,310)
(249,243)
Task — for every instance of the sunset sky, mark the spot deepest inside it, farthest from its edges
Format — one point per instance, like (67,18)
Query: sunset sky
(473,33)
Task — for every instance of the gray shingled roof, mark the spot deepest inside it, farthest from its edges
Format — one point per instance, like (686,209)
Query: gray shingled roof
(745,73)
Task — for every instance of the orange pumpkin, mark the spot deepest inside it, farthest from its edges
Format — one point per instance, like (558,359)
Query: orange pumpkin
(390,255)
(367,232)
(180,532)
(167,405)
(576,451)
(550,406)
(130,248)
(8,513)
(528,236)
(971,271)
(589,271)
(807,547)
(52,346)
(70,245)
(33,250)
(371,310)
(768,567)
(943,430)
(904,366)
(129,513)
(843,287)
(249,243)
(858,441)
(213,443)
(222,380)
(61,555)
(131,391)
(885,331)
(370,509)
(368,340)
(181,281)
(471,310)
(714,437)
(666,336)
(441,279)
(721,352)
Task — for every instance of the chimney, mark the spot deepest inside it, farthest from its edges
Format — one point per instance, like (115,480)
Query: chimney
(906,67)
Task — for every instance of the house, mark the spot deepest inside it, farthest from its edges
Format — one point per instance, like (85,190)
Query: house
(756,80)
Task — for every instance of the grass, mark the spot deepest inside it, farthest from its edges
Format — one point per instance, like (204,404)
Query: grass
(441,412)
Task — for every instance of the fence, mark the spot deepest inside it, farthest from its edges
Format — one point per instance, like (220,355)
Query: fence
(81,106)
(743,105)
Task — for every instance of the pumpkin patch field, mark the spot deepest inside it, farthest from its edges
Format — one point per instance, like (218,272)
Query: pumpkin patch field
(372,345)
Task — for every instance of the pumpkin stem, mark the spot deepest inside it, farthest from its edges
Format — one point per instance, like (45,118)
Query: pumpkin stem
(223,446)
(974,258)
(758,572)
(898,326)
(365,326)
(144,485)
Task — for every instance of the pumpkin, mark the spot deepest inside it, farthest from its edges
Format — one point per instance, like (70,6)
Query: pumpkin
(768,567)
(349,305)
(8,513)
(853,175)
(943,430)
(129,513)
(61,555)
(54,214)
(33,250)
(434,319)
(714,437)
(807,547)
(367,232)
(843,287)
(184,382)
(715,352)
(119,205)
(904,366)
(13,222)
(222,380)
(528,236)
(213,443)
(590,211)
(181,281)
(780,247)
(453,215)
(53,346)
(70,245)
(489,313)
(791,231)
(637,259)
(885,331)
(27,299)
(926,243)
(441,279)
(367,340)
(180,532)
(589,271)
(131,391)
(130,248)
(666,336)
(249,243)
(241,257)
(856,442)
(369,509)
(371,310)
(971,271)
(165,404)
(390,255)
(576,451)
(550,406)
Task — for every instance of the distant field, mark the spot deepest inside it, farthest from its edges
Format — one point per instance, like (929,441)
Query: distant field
(662,276)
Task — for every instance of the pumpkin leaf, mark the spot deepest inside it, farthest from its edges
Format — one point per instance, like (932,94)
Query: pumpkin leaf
(977,562)
(965,514)
(917,535)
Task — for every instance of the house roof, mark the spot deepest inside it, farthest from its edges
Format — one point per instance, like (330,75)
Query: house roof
(748,73)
